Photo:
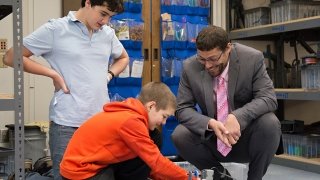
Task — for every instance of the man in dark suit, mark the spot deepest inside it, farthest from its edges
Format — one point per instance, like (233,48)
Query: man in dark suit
(250,131)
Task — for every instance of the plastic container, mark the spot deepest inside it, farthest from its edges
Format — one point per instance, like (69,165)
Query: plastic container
(257,17)
(238,171)
(303,145)
(293,9)
(168,148)
(310,76)
(6,162)
(187,166)
(34,143)
(251,4)
(292,126)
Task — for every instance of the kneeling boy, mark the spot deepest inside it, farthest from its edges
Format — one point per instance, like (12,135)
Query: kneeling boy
(116,143)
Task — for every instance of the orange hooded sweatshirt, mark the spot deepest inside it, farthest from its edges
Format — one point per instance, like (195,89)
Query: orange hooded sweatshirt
(118,134)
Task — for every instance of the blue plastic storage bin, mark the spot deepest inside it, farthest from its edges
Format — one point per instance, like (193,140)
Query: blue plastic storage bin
(168,148)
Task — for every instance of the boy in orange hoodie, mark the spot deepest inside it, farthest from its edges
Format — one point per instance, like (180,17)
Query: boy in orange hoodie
(116,144)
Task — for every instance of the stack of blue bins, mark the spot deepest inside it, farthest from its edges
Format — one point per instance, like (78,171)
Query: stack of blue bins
(168,149)
(178,36)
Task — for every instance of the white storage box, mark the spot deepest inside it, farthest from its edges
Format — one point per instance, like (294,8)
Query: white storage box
(237,170)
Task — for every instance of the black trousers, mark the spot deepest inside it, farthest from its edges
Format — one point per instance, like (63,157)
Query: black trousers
(134,169)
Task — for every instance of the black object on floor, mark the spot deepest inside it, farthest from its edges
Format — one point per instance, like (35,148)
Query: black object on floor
(221,173)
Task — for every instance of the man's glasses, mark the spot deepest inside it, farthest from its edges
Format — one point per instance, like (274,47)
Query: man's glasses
(210,59)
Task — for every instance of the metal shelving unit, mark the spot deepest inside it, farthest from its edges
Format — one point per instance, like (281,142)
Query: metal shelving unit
(6,102)
(298,94)
(311,165)
(309,29)
(273,31)
(16,104)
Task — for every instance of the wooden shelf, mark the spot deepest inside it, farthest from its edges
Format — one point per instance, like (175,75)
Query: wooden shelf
(307,164)
(6,96)
(315,161)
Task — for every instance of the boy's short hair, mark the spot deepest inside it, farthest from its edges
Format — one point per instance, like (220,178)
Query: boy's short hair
(160,93)
(113,5)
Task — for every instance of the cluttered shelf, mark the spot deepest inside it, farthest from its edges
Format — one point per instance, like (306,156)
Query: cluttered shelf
(278,22)
(307,164)
(298,94)
(269,31)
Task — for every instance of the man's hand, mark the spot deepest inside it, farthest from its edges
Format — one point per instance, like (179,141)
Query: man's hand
(233,127)
(220,130)
(229,133)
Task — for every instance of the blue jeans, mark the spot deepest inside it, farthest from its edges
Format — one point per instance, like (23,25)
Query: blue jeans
(59,137)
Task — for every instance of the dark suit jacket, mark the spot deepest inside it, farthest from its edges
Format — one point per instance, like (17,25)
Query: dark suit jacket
(250,90)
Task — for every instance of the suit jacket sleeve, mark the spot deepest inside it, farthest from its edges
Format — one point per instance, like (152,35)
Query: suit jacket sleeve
(254,94)
(190,95)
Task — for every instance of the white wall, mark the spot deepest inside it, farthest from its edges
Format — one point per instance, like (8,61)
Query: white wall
(38,90)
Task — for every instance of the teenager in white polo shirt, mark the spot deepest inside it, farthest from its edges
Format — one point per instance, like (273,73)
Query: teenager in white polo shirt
(77,47)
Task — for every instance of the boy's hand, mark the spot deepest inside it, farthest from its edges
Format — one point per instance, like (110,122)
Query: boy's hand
(59,83)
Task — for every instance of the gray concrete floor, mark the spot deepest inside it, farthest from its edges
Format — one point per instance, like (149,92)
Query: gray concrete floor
(274,172)
(277,172)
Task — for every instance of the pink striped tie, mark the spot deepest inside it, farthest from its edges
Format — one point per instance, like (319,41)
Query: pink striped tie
(222,112)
